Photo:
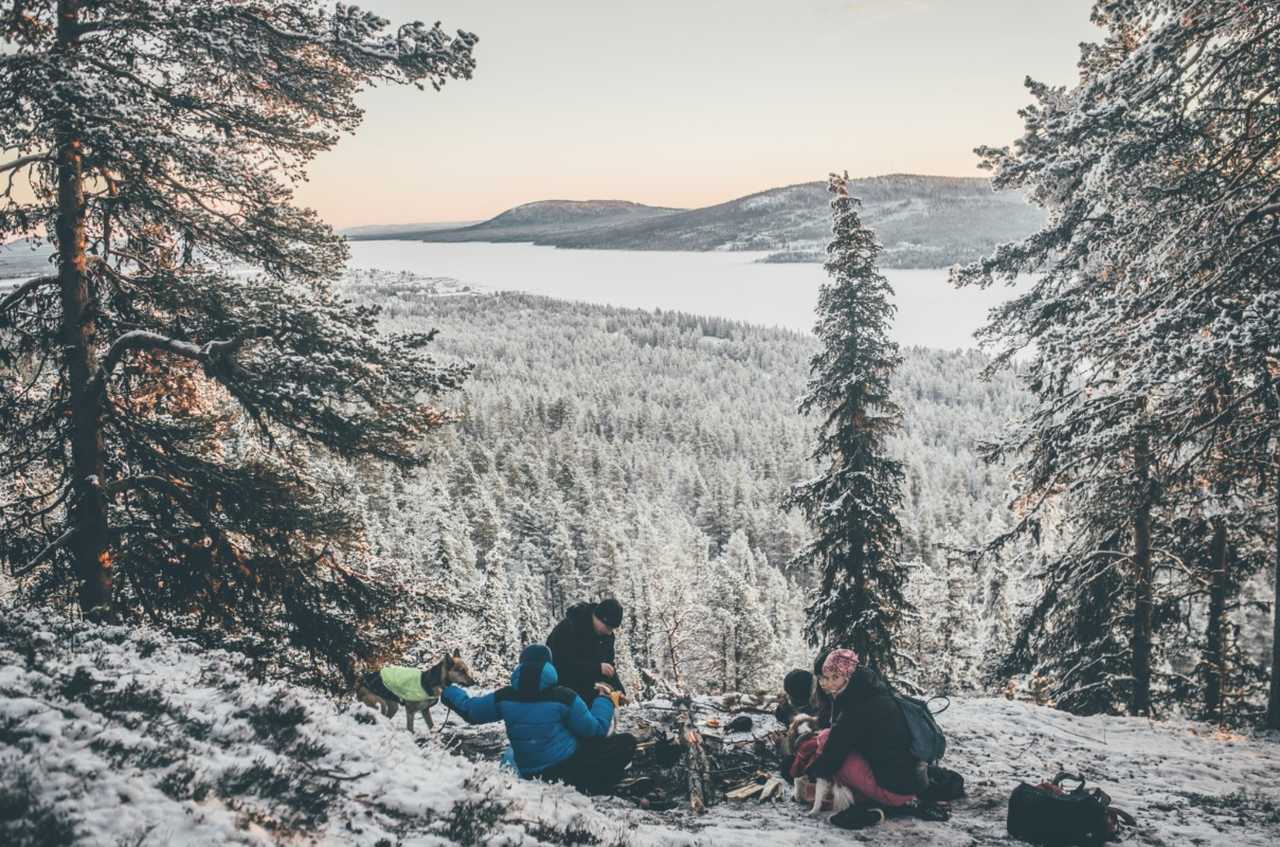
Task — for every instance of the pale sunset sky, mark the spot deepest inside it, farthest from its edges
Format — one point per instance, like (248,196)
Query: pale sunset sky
(690,103)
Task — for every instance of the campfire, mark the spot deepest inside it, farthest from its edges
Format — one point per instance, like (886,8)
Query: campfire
(692,752)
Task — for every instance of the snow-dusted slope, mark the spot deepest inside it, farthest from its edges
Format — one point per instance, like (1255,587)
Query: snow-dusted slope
(1187,784)
(110,736)
(113,736)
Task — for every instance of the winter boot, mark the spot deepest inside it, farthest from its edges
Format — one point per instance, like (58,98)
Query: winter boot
(933,811)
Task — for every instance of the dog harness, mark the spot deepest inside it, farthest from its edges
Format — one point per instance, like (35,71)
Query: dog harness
(405,683)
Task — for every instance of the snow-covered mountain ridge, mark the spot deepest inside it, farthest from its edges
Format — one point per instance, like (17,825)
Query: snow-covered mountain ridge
(116,736)
(923,221)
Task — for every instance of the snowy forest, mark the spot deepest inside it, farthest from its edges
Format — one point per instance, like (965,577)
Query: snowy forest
(236,474)
(605,451)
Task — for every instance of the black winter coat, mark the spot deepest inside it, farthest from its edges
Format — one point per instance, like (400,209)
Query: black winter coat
(577,651)
(865,718)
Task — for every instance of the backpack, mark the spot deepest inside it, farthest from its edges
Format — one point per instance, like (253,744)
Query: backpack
(1050,815)
(927,741)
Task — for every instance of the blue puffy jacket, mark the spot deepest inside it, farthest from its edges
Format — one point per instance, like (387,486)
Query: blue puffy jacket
(544,720)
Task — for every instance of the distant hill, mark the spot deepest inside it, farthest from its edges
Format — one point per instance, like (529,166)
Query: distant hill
(923,221)
(542,222)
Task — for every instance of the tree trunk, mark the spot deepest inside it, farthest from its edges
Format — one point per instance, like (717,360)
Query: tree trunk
(88,508)
(1140,704)
(1214,653)
(1273,704)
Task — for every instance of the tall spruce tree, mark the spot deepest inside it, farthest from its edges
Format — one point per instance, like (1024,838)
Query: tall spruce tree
(852,504)
(166,418)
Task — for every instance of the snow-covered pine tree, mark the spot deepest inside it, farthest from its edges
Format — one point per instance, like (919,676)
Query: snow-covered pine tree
(497,641)
(959,618)
(156,141)
(746,647)
(852,505)
(1161,252)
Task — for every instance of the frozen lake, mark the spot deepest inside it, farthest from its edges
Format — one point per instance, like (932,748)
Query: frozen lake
(930,312)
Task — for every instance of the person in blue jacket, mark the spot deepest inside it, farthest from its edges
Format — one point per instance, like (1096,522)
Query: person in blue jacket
(553,735)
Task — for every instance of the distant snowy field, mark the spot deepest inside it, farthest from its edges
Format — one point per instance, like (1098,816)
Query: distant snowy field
(111,736)
(728,284)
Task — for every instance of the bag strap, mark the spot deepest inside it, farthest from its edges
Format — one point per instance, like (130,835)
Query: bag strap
(1125,817)
(1057,780)
(946,704)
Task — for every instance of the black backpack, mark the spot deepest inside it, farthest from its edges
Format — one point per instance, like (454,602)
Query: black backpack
(1049,815)
(927,741)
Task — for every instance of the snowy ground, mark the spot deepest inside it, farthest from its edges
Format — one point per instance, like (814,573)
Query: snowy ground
(111,737)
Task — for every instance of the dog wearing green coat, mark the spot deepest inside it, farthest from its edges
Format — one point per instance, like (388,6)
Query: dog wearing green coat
(393,686)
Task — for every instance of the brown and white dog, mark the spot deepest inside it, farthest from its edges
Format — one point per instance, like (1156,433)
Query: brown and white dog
(839,797)
(451,670)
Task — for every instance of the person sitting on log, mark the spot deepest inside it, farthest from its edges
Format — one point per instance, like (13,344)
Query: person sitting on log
(583,644)
(553,735)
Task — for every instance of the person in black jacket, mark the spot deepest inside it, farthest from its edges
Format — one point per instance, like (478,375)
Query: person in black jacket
(866,718)
(584,648)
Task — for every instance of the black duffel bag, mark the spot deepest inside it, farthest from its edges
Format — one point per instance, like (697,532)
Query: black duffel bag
(1048,814)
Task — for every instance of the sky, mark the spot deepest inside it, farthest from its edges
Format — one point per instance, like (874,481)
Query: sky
(691,103)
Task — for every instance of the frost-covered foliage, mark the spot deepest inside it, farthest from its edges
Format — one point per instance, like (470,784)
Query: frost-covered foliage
(1153,353)
(615,450)
(112,735)
(852,504)
(161,417)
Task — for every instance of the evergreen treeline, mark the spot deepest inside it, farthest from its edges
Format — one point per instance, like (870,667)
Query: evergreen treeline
(646,454)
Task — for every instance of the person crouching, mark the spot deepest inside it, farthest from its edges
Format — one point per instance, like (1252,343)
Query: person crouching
(553,735)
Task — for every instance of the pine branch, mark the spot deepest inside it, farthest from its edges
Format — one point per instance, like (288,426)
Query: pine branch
(141,339)
(14,297)
(43,554)
(25,160)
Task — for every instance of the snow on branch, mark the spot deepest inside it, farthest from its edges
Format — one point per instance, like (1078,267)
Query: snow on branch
(16,296)
(23,161)
(145,340)
(43,554)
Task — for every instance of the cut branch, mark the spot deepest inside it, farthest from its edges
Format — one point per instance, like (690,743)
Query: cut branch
(701,786)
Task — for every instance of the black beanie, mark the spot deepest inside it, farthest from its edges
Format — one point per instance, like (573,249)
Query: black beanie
(609,611)
(799,686)
(539,653)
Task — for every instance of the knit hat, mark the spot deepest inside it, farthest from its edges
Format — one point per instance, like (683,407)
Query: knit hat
(799,686)
(528,676)
(535,653)
(609,611)
(840,664)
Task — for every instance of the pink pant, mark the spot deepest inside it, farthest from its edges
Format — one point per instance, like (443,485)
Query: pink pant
(856,775)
